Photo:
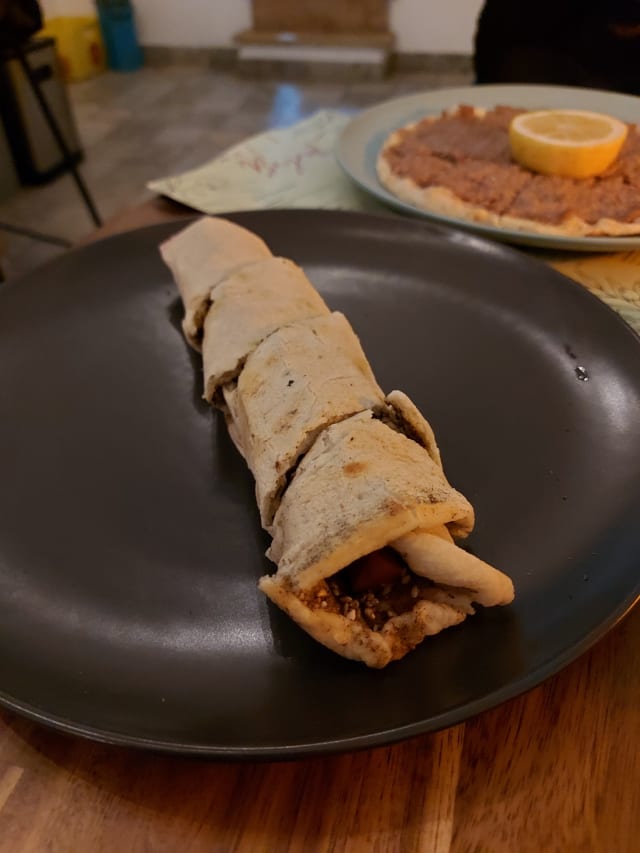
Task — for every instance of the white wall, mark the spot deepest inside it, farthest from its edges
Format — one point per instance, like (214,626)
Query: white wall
(428,26)
(434,26)
(55,8)
(191,23)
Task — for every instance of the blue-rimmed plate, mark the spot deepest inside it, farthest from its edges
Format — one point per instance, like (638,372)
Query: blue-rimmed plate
(362,138)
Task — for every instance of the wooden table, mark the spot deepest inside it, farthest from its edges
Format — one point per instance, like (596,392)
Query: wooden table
(555,770)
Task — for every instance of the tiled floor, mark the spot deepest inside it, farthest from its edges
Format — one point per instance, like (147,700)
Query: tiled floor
(135,127)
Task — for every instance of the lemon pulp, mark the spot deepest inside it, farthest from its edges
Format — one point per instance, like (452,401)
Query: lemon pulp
(570,143)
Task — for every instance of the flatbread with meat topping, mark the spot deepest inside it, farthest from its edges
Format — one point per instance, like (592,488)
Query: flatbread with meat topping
(459,165)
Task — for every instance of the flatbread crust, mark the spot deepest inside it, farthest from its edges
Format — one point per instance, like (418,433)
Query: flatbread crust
(403,414)
(246,308)
(360,486)
(299,380)
(430,556)
(441,200)
(200,257)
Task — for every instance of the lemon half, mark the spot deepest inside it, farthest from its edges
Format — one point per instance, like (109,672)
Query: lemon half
(572,143)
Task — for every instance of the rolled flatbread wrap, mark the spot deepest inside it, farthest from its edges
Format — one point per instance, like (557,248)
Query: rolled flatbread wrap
(362,490)
(360,486)
(350,483)
(299,380)
(245,309)
(201,256)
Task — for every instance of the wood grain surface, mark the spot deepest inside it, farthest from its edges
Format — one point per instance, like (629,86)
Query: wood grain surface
(557,769)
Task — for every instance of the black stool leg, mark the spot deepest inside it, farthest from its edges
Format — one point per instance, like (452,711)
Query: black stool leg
(55,130)
(35,235)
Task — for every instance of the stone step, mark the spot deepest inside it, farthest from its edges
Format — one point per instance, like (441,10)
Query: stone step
(286,38)
(358,54)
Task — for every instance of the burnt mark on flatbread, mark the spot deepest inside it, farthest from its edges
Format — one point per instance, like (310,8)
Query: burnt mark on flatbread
(352,469)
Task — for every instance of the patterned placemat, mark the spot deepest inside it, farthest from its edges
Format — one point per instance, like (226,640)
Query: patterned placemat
(290,167)
(296,167)
(613,278)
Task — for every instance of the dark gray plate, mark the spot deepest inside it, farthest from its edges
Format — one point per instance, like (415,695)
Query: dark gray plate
(129,538)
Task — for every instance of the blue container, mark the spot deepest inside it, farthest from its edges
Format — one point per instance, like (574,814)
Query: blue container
(119,33)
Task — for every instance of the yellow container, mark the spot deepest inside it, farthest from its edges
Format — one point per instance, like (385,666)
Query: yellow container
(78,44)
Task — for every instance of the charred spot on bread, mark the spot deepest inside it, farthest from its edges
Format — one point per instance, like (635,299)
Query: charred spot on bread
(351,469)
